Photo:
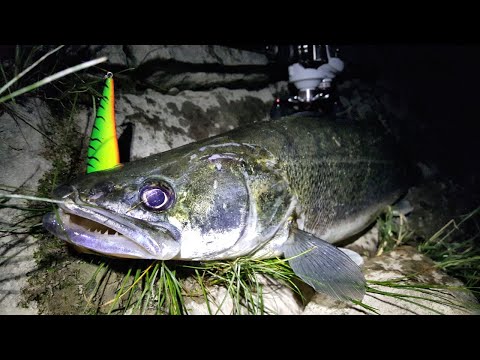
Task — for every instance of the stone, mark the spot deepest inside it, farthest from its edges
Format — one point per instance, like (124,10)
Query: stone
(367,244)
(192,67)
(22,165)
(115,54)
(139,55)
(201,80)
(162,122)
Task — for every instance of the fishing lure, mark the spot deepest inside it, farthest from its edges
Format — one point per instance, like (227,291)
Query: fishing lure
(103,146)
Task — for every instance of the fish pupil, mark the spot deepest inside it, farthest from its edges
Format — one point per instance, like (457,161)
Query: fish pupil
(155,197)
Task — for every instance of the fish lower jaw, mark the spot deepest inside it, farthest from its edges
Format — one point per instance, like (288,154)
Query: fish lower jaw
(98,238)
(98,232)
(81,225)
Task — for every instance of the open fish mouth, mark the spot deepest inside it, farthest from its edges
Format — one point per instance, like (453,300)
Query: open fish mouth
(99,231)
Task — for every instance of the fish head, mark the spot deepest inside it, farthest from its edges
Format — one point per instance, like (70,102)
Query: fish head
(187,205)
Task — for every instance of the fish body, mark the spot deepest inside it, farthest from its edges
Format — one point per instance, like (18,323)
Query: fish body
(288,187)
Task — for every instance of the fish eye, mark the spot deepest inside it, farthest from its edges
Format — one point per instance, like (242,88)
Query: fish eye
(157,196)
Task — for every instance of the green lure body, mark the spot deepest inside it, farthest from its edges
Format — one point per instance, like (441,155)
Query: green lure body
(103,146)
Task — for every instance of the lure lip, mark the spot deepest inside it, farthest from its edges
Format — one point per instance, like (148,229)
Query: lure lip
(135,238)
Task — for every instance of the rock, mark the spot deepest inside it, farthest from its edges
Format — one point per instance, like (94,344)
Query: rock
(162,122)
(186,67)
(367,244)
(115,54)
(426,198)
(197,67)
(173,91)
(165,80)
(21,142)
(367,102)
(22,165)
(139,55)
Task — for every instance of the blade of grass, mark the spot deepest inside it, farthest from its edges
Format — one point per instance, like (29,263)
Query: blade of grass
(458,262)
(19,76)
(177,305)
(227,293)
(5,79)
(31,53)
(437,300)
(148,291)
(92,284)
(201,282)
(131,286)
(53,77)
(405,298)
(365,306)
(134,288)
(118,296)
(161,293)
(17,59)
(28,197)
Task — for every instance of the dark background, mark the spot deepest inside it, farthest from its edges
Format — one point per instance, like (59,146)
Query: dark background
(439,85)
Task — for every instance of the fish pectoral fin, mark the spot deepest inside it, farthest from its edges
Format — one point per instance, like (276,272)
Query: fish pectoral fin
(357,258)
(324,267)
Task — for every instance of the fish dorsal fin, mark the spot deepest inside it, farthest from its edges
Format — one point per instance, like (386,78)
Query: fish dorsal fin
(103,145)
(324,267)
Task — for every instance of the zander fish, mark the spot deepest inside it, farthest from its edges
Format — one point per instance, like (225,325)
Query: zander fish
(290,187)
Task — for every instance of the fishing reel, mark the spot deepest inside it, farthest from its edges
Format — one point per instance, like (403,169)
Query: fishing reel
(311,70)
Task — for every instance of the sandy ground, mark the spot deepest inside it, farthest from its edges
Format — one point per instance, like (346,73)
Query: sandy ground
(17,262)
(21,165)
